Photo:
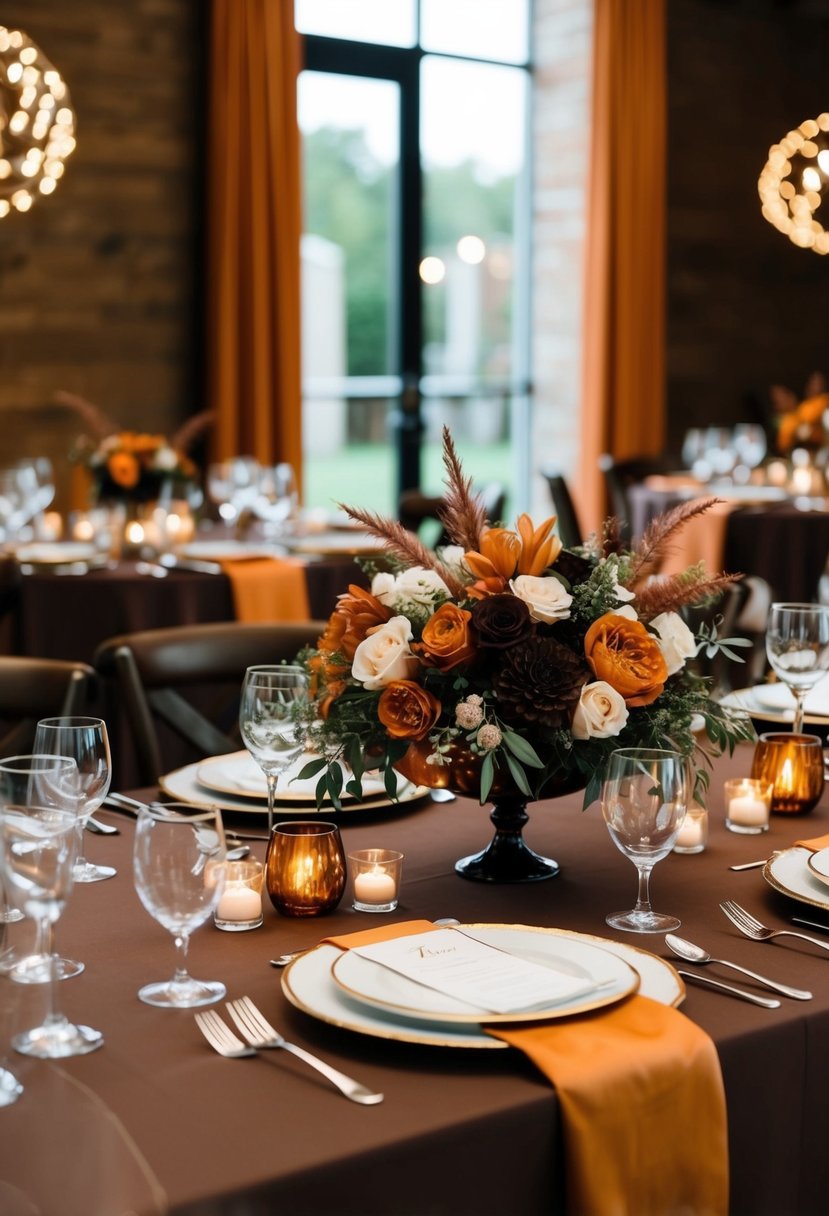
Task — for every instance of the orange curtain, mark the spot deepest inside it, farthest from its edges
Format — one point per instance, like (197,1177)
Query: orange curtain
(253,231)
(624,318)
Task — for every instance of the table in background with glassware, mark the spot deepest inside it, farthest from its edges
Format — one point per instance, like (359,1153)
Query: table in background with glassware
(157,1120)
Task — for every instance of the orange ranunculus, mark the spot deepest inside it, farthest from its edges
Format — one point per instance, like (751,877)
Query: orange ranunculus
(446,641)
(623,653)
(124,469)
(539,549)
(407,710)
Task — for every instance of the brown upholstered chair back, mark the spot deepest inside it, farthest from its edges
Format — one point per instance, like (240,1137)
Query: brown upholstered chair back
(31,689)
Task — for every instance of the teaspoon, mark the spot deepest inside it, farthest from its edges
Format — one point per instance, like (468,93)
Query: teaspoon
(695,954)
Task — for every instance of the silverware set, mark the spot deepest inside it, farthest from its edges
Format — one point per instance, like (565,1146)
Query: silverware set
(258,1035)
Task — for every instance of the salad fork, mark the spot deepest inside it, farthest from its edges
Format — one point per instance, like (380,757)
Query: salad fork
(751,927)
(260,1034)
(220,1037)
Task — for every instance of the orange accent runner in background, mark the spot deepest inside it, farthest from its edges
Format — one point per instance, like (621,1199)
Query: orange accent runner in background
(268,589)
(641,1096)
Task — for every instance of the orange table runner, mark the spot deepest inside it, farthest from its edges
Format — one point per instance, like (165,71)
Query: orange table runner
(268,589)
(815,844)
(642,1102)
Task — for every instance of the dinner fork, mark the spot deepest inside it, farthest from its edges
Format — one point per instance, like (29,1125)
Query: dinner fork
(260,1034)
(220,1037)
(751,927)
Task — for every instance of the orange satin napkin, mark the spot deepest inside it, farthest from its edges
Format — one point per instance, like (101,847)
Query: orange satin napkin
(642,1101)
(268,589)
(815,844)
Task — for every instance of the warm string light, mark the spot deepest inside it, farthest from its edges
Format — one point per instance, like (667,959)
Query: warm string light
(792,180)
(37,123)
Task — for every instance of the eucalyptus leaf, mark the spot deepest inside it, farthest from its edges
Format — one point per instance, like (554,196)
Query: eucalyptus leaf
(518,775)
(521,749)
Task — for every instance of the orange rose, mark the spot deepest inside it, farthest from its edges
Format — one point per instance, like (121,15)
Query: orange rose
(623,653)
(123,469)
(446,641)
(407,711)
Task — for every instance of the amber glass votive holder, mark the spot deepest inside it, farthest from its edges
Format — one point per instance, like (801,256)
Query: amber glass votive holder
(794,766)
(305,868)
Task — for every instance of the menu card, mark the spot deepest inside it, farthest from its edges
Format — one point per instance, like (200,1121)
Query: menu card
(455,963)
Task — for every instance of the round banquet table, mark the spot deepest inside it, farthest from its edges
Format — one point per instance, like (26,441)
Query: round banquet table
(155,1121)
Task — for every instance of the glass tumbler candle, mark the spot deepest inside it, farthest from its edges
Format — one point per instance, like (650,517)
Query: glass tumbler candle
(794,766)
(747,805)
(692,837)
(376,879)
(240,904)
(305,868)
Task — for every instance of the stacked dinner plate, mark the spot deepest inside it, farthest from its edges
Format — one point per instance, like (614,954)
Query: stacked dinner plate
(235,782)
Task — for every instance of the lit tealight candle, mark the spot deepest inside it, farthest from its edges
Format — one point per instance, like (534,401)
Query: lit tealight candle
(692,836)
(747,804)
(375,887)
(239,902)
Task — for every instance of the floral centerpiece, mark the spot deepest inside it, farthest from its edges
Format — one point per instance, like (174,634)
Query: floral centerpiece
(801,422)
(524,661)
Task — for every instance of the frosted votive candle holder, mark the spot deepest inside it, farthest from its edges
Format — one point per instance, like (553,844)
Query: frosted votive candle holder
(747,805)
(376,877)
(692,837)
(240,905)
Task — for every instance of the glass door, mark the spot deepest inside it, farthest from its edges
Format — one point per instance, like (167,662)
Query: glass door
(414,257)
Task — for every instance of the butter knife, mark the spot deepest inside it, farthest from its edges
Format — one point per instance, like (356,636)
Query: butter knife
(767,1002)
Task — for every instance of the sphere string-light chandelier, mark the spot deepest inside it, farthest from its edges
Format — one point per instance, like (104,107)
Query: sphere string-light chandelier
(792,182)
(37,123)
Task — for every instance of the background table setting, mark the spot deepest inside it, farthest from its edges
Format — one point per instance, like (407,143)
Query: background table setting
(157,1097)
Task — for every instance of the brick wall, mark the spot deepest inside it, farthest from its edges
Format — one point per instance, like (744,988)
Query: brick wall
(98,285)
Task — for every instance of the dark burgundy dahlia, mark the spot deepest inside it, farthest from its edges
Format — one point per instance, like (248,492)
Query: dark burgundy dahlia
(539,681)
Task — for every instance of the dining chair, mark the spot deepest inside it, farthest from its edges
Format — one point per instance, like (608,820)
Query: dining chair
(567,521)
(415,509)
(620,475)
(32,688)
(177,689)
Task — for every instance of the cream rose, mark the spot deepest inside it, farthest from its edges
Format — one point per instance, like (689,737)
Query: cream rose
(383,587)
(601,712)
(418,586)
(385,655)
(676,641)
(546,598)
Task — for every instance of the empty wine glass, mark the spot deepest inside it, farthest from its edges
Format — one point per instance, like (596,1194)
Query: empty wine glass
(797,645)
(37,852)
(87,742)
(271,730)
(177,865)
(276,501)
(10,1087)
(233,486)
(46,781)
(750,444)
(644,799)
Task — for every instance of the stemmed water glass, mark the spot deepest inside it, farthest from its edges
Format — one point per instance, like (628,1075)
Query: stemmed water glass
(179,876)
(797,645)
(45,781)
(644,799)
(268,721)
(87,742)
(37,852)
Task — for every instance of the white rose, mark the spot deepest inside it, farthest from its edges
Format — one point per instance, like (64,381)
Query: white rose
(384,655)
(676,641)
(383,587)
(546,598)
(452,555)
(601,712)
(623,594)
(422,586)
(628,611)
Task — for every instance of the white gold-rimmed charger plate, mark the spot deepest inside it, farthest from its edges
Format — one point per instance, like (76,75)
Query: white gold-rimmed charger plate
(184,786)
(611,979)
(788,872)
(775,703)
(818,864)
(57,553)
(309,985)
(225,550)
(238,774)
(350,543)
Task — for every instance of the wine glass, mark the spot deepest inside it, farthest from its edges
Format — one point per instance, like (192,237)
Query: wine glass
(37,852)
(750,444)
(232,486)
(644,799)
(10,1087)
(87,742)
(797,645)
(267,720)
(46,781)
(276,501)
(179,876)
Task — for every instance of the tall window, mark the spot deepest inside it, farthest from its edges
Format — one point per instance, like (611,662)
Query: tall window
(414,115)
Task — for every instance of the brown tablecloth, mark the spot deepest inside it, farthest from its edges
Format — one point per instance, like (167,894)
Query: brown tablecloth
(65,616)
(778,542)
(460,1131)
